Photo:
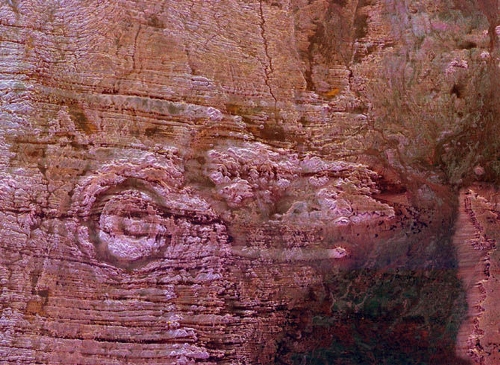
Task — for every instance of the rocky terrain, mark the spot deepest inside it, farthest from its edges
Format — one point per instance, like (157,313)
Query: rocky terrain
(476,240)
(249,181)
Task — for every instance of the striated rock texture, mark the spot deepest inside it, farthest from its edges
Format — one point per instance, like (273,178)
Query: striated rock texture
(476,237)
(249,182)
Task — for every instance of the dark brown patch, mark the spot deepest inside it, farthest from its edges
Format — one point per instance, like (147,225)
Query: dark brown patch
(468,45)
(340,2)
(360,26)
(153,21)
(80,119)
(456,90)
(34,307)
(273,132)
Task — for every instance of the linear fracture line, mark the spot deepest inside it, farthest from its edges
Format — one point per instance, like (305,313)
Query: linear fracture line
(268,69)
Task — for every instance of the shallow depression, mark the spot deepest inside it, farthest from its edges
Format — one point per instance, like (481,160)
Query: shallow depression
(131,227)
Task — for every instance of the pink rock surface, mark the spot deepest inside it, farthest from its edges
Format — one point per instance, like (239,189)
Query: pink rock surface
(248,182)
(476,239)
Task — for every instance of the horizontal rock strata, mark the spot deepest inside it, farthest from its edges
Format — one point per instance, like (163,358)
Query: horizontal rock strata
(247,182)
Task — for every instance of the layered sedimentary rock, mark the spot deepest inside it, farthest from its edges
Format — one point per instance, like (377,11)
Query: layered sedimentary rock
(476,238)
(251,182)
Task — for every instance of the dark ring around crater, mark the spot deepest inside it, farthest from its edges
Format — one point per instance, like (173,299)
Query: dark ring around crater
(161,208)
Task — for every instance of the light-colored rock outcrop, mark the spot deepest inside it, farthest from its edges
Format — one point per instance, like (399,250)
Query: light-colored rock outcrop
(476,239)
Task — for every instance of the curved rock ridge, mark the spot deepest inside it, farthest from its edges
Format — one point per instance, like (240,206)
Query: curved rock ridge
(132,213)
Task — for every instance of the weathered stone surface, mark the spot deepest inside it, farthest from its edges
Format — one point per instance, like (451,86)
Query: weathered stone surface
(248,182)
(476,237)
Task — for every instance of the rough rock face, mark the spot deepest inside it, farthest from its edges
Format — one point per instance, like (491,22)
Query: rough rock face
(249,182)
(476,237)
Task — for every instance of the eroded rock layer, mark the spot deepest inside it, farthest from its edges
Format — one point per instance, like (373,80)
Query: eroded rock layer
(247,182)
(476,238)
